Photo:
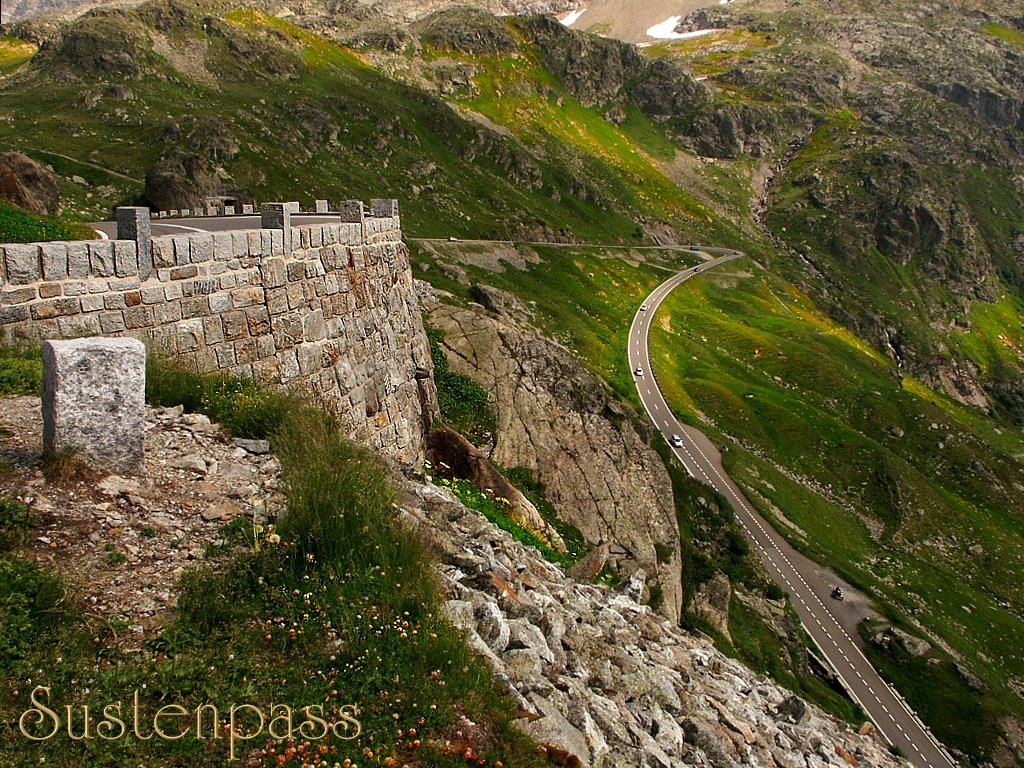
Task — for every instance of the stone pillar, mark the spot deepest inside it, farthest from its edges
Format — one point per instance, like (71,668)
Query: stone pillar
(321,206)
(351,211)
(94,400)
(279,216)
(247,210)
(229,210)
(133,224)
(294,207)
(383,208)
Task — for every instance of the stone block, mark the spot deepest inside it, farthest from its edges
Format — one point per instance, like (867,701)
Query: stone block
(153,295)
(220,302)
(54,260)
(101,259)
(352,211)
(49,290)
(139,317)
(169,312)
(184,273)
(279,216)
(126,258)
(163,252)
(45,310)
(200,248)
(247,210)
(93,302)
(75,288)
(22,263)
(380,209)
(321,206)
(229,210)
(294,207)
(74,326)
(14,314)
(186,212)
(247,296)
(111,322)
(133,224)
(223,246)
(182,250)
(257,320)
(213,330)
(94,400)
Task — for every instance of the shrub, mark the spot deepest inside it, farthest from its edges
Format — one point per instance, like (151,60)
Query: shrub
(30,601)
(21,371)
(242,406)
(15,521)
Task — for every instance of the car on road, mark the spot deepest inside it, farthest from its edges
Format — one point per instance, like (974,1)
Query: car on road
(694,247)
(639,371)
(696,270)
(677,441)
(643,307)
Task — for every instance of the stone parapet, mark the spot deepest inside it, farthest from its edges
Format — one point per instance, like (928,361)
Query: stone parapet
(335,316)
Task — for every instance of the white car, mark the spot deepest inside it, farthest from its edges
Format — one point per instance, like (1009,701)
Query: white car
(639,371)
(643,307)
(677,441)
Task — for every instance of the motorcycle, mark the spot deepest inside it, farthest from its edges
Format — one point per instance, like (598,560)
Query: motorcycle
(837,593)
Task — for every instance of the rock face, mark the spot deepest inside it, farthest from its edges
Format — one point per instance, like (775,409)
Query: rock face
(94,400)
(555,419)
(603,681)
(27,184)
(180,180)
(469,30)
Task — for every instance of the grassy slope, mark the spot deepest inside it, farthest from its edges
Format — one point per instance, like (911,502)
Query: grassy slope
(378,133)
(326,616)
(812,416)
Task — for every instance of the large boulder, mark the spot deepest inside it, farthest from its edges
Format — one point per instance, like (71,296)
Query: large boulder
(180,181)
(27,184)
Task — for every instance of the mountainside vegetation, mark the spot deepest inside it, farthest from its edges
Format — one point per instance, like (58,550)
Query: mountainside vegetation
(864,366)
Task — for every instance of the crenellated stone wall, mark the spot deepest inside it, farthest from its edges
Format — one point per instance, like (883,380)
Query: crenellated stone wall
(329,309)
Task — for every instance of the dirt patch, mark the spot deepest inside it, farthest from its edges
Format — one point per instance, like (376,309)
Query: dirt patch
(123,542)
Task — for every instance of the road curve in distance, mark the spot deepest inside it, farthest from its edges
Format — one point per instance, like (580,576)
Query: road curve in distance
(795,573)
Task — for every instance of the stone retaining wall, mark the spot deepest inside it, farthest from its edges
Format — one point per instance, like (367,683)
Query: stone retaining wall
(327,308)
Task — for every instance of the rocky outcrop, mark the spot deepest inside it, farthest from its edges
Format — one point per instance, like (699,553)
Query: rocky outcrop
(601,680)
(594,69)
(555,419)
(468,30)
(28,185)
(180,180)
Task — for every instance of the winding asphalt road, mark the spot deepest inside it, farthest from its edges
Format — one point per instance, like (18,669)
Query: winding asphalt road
(834,631)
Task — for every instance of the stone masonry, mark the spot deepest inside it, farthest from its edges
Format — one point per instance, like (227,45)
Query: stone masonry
(334,315)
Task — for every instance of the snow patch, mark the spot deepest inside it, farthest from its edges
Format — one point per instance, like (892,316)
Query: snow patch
(667,30)
(572,17)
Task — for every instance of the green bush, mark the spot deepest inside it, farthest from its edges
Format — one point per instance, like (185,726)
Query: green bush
(242,406)
(15,521)
(30,600)
(21,371)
